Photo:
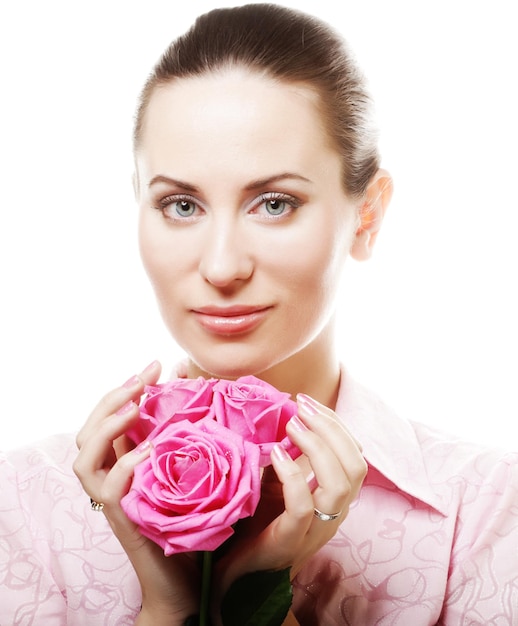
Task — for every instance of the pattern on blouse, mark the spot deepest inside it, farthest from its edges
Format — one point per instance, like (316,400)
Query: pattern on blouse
(432,538)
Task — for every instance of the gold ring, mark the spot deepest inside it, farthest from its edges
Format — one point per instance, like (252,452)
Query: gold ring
(96,506)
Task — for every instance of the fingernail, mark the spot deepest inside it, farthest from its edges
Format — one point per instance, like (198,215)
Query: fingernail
(131,382)
(307,404)
(290,448)
(281,454)
(125,408)
(142,447)
(298,424)
(151,366)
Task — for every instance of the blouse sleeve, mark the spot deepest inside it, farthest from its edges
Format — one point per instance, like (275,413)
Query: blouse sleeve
(60,563)
(29,594)
(483,579)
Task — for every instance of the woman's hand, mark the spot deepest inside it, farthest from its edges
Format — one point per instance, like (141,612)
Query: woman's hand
(105,466)
(285,532)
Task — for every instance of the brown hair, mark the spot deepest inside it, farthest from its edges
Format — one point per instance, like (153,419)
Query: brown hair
(293,47)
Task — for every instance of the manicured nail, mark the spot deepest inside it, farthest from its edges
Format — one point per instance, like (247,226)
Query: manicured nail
(142,447)
(131,382)
(150,367)
(298,424)
(125,408)
(290,448)
(281,454)
(307,404)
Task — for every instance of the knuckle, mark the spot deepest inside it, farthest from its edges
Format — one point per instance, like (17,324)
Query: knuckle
(126,464)
(303,511)
(107,403)
(360,471)
(79,440)
(77,467)
(343,491)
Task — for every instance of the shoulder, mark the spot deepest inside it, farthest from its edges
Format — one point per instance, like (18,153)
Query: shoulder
(439,468)
(432,535)
(40,469)
(53,451)
(40,492)
(478,486)
(465,466)
(53,455)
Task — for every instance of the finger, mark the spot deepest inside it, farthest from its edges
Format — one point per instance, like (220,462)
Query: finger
(315,407)
(335,458)
(298,531)
(333,485)
(97,455)
(114,400)
(115,486)
(298,500)
(324,422)
(278,545)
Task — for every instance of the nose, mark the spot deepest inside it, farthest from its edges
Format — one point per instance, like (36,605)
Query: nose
(226,256)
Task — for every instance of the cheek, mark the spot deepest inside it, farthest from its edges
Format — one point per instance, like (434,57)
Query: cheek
(151,259)
(314,267)
(161,258)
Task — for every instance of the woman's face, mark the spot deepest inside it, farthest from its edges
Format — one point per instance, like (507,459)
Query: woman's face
(244,225)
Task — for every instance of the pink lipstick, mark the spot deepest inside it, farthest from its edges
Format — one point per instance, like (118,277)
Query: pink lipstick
(231,320)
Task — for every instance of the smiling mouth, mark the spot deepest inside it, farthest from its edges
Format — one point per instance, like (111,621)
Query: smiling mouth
(230,321)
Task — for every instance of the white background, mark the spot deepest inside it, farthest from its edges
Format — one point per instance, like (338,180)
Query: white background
(430,322)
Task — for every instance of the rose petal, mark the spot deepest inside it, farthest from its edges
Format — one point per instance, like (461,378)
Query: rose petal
(198,481)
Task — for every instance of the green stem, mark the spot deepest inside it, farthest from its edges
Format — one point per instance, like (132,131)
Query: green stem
(206,572)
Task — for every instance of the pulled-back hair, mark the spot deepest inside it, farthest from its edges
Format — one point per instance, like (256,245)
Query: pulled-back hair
(290,46)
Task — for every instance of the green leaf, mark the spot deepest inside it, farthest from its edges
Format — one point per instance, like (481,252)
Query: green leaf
(258,599)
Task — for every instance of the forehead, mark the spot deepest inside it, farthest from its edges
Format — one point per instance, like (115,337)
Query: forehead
(234,96)
(234,126)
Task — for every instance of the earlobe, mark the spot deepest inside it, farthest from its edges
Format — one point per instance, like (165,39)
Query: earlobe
(371,214)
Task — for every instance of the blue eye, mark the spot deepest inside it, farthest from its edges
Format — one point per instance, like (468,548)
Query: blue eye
(184,208)
(275,206)
(179,207)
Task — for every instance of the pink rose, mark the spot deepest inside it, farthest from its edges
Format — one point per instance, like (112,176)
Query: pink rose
(176,400)
(257,411)
(198,481)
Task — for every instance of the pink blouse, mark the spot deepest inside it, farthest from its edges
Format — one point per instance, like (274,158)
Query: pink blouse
(432,539)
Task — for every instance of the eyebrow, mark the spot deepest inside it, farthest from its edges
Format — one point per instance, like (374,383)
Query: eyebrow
(263,182)
(256,184)
(160,178)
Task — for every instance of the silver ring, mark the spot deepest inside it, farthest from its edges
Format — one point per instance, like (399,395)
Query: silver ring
(96,506)
(326,517)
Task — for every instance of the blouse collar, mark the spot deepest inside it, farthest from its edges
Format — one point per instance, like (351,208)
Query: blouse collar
(389,443)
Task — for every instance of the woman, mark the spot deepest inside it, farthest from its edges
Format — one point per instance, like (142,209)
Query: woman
(257,175)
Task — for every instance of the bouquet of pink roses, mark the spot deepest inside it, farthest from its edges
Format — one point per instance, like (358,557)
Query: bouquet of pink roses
(210,439)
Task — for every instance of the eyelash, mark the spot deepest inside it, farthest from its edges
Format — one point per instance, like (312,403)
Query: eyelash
(292,202)
(164,203)
(270,196)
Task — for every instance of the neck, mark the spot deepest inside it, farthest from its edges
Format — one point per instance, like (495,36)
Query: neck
(310,372)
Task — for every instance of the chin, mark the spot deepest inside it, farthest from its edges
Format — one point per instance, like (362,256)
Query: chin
(230,365)
(219,370)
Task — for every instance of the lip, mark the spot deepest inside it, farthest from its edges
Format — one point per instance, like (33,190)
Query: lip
(230,320)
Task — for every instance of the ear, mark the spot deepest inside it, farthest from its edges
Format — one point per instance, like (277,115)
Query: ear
(372,212)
